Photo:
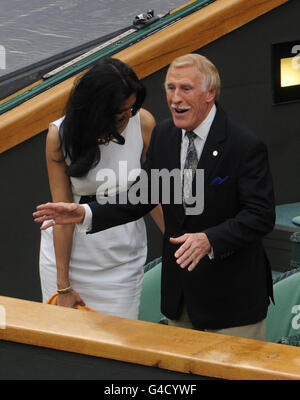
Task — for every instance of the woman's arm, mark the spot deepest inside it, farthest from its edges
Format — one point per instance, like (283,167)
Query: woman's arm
(60,188)
(147,125)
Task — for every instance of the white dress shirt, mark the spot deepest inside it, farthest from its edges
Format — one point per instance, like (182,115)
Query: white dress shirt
(201,131)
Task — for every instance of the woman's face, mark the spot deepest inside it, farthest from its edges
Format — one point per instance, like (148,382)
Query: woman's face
(125,113)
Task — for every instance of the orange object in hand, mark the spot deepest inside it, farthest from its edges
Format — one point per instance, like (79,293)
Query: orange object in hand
(53,301)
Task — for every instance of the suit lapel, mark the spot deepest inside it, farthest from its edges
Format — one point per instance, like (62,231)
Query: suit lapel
(211,154)
(175,143)
(214,145)
(173,156)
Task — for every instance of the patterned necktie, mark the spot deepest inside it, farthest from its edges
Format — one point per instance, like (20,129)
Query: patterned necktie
(190,166)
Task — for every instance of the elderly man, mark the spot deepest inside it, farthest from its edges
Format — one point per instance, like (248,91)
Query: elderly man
(215,273)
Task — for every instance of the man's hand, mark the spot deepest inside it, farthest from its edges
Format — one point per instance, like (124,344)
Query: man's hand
(195,246)
(59,213)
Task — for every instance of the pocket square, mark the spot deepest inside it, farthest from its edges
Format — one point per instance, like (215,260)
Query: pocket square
(296,221)
(218,180)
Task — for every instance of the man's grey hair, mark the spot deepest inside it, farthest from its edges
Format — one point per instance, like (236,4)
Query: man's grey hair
(210,73)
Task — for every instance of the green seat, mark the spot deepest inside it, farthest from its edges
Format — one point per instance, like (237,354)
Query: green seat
(150,296)
(283,320)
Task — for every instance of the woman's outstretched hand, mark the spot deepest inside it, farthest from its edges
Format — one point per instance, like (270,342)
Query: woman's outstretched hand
(59,214)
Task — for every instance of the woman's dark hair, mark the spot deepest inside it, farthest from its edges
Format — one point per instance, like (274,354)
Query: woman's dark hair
(91,112)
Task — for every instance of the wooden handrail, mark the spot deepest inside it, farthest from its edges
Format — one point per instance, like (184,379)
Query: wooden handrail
(146,343)
(146,57)
(194,32)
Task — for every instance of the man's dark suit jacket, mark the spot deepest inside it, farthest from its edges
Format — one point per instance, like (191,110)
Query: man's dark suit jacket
(234,288)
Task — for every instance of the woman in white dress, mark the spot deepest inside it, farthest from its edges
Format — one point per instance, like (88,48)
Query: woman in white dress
(104,128)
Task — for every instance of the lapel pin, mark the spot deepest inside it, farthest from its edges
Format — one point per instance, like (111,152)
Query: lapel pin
(215,153)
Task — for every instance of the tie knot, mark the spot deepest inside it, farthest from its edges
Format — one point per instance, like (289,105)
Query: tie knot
(191,135)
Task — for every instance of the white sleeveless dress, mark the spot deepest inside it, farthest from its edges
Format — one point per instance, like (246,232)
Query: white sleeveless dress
(106,268)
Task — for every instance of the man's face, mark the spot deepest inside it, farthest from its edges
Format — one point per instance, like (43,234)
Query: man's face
(187,97)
